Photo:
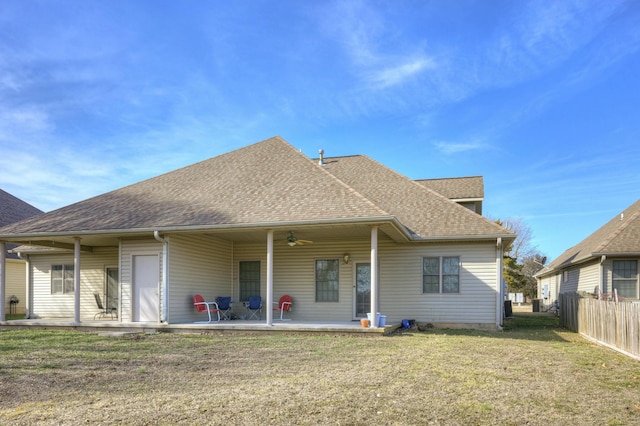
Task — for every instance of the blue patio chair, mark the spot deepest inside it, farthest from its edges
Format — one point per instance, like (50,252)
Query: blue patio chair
(254,307)
(224,305)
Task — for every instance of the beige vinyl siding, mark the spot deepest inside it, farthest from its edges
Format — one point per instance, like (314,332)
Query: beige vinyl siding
(92,279)
(128,249)
(589,277)
(197,265)
(580,278)
(570,285)
(294,274)
(400,284)
(553,284)
(16,284)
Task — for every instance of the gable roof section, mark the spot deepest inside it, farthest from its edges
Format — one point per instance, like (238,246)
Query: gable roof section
(13,209)
(426,213)
(266,182)
(459,188)
(619,236)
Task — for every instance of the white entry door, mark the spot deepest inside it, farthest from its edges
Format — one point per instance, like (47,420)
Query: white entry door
(146,284)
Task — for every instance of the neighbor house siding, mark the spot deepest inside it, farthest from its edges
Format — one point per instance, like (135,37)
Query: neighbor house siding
(553,284)
(580,278)
(589,277)
(92,279)
(16,284)
(197,265)
(128,249)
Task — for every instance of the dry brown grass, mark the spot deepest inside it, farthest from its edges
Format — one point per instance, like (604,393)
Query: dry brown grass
(533,373)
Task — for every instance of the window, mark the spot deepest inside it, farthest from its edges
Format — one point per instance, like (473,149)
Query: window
(625,278)
(249,279)
(327,280)
(62,279)
(565,276)
(441,275)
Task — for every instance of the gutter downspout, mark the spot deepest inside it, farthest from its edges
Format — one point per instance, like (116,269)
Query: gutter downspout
(76,279)
(374,277)
(602,281)
(500,292)
(165,271)
(28,290)
(3,276)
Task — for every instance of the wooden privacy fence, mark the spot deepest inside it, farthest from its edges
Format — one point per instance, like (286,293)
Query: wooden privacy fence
(613,324)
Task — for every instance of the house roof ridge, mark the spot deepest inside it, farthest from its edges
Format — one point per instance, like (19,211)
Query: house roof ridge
(619,229)
(346,185)
(596,242)
(448,200)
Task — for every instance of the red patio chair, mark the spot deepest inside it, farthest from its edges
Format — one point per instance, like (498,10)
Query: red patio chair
(284,304)
(208,307)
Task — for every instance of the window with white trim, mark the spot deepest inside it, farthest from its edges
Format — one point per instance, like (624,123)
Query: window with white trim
(441,274)
(625,278)
(327,280)
(62,279)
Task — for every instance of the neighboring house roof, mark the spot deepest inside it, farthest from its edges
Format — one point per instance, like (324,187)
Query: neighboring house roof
(269,182)
(12,210)
(459,188)
(619,236)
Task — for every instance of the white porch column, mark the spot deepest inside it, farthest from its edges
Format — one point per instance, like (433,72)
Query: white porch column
(3,276)
(76,279)
(499,284)
(374,276)
(269,303)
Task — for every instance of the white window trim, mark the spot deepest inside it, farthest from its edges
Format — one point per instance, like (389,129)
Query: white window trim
(441,274)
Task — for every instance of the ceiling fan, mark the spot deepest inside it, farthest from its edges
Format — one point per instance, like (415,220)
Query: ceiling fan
(292,240)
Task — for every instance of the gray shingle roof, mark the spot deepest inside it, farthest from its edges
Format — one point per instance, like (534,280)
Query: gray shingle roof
(619,236)
(13,209)
(423,211)
(267,182)
(469,187)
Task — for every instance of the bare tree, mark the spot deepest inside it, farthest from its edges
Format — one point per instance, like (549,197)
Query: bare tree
(521,246)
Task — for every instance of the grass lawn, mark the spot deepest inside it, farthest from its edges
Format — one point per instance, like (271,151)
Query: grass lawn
(532,373)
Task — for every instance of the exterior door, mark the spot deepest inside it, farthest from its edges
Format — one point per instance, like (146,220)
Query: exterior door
(111,290)
(146,283)
(362,296)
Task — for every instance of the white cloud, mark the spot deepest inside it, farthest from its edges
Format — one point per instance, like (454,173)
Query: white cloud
(450,148)
(397,74)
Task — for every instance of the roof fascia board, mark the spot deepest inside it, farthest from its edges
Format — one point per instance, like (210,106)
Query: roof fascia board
(618,254)
(25,238)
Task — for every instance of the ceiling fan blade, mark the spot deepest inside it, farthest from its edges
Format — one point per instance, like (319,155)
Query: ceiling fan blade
(301,242)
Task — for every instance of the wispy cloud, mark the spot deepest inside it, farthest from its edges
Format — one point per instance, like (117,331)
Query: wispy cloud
(364,33)
(450,148)
(397,74)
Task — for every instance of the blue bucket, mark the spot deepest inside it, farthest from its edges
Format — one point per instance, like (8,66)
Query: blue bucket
(405,324)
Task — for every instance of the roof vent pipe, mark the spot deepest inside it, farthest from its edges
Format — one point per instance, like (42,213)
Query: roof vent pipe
(321,160)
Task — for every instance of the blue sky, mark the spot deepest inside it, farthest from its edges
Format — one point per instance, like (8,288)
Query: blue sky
(540,98)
